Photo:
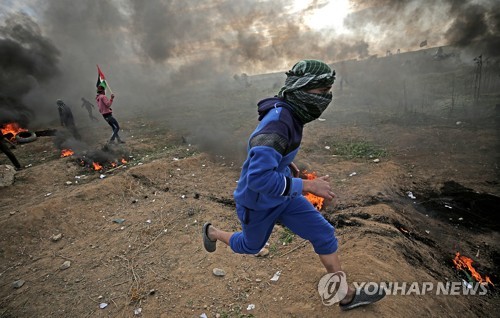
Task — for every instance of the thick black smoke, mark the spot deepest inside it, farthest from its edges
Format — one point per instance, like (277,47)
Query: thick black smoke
(471,25)
(476,26)
(27,58)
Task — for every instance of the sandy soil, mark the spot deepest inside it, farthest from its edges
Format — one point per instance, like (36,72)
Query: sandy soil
(154,260)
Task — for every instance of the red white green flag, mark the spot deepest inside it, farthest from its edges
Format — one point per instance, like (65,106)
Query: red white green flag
(101,79)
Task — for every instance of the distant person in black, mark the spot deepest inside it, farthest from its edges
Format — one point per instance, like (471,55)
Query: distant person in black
(343,75)
(5,149)
(66,117)
(88,106)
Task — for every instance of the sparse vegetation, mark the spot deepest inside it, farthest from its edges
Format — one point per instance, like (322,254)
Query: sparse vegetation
(273,248)
(358,149)
(286,236)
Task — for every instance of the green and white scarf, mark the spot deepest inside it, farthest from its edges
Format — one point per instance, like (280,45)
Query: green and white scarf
(305,75)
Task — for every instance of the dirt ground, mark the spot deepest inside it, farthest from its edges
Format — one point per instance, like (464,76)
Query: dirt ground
(154,259)
(153,262)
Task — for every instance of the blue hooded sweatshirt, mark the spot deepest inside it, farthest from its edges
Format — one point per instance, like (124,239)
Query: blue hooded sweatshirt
(266,180)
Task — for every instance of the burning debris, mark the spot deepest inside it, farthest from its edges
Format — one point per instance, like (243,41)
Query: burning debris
(464,264)
(101,164)
(10,130)
(98,160)
(66,153)
(316,201)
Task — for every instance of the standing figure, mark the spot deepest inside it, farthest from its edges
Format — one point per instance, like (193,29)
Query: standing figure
(269,189)
(5,149)
(104,105)
(343,75)
(88,106)
(66,118)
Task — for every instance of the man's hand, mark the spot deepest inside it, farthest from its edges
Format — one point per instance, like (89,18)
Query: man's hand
(320,187)
(112,96)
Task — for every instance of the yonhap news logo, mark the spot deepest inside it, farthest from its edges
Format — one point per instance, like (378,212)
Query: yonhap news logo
(332,288)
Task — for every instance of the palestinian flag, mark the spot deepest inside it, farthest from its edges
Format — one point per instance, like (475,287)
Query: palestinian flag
(101,80)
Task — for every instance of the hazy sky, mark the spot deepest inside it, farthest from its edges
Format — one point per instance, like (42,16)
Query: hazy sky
(49,48)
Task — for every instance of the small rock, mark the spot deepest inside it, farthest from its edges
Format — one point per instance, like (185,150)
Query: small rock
(65,265)
(410,195)
(219,272)
(18,283)
(69,183)
(103,305)
(276,276)
(376,160)
(56,237)
(119,221)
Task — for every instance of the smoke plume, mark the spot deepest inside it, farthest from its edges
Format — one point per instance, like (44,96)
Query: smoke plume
(27,58)
(161,54)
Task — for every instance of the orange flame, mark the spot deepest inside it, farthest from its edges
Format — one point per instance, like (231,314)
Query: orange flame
(97,166)
(124,161)
(12,128)
(465,263)
(66,153)
(316,201)
(113,164)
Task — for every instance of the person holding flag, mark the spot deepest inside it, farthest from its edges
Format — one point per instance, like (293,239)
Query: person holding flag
(104,106)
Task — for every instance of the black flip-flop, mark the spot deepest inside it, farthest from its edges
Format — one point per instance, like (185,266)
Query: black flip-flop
(361,298)
(207,242)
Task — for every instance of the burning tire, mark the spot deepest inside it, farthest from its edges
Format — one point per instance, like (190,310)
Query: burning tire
(25,136)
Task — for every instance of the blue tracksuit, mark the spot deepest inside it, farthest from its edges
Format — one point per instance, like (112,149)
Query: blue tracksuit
(267,192)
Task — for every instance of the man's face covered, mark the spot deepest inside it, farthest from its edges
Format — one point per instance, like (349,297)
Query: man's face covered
(304,76)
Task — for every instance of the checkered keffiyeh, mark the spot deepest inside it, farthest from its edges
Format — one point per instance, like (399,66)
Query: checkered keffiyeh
(308,74)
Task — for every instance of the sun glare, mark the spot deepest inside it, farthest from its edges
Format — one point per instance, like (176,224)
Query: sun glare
(331,16)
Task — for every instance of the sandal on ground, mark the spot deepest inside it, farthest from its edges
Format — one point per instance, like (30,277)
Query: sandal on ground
(208,244)
(361,298)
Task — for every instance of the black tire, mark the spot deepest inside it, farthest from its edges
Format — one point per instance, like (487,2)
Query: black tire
(25,136)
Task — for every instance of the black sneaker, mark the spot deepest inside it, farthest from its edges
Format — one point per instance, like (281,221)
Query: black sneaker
(361,298)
